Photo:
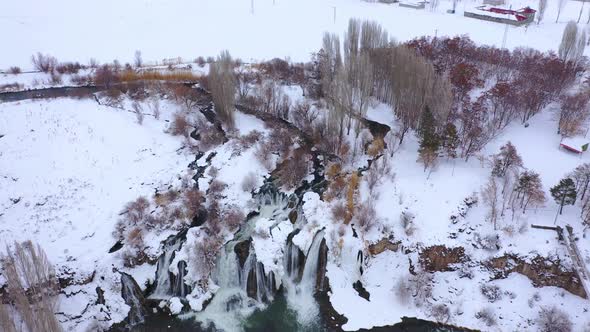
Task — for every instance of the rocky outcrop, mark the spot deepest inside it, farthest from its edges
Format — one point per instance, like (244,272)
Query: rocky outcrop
(383,244)
(242,250)
(67,277)
(322,264)
(540,270)
(360,289)
(134,298)
(440,258)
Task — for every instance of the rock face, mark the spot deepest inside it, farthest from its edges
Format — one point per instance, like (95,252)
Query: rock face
(134,298)
(383,244)
(360,289)
(541,271)
(242,250)
(322,263)
(440,258)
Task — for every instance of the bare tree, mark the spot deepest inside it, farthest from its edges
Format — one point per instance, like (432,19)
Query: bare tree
(44,62)
(138,110)
(222,83)
(569,41)
(137,60)
(541,10)
(32,285)
(573,114)
(490,196)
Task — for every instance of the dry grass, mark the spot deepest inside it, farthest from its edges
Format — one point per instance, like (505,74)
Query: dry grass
(152,75)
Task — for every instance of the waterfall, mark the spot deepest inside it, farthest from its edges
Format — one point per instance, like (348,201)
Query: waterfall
(179,288)
(300,294)
(310,271)
(133,297)
(166,283)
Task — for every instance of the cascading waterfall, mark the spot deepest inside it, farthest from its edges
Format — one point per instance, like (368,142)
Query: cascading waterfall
(133,297)
(168,284)
(300,293)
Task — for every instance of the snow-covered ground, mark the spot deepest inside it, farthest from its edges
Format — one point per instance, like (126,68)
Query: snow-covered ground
(433,200)
(72,31)
(67,168)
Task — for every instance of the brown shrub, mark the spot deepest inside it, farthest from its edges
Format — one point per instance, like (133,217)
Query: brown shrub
(376,147)
(295,169)
(68,68)
(365,215)
(233,217)
(180,125)
(183,76)
(44,62)
(192,201)
(15,70)
(339,212)
(81,79)
(216,188)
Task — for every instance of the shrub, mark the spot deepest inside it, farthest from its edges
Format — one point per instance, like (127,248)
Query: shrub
(402,291)
(492,292)
(138,110)
(216,188)
(421,284)
(15,70)
(44,62)
(339,212)
(201,61)
(55,79)
(68,68)
(180,125)
(81,79)
(295,169)
(441,313)
(487,315)
(210,136)
(204,254)
(552,319)
(192,201)
(407,222)
(233,217)
(366,215)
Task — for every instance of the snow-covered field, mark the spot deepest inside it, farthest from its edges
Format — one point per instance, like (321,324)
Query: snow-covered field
(69,166)
(108,30)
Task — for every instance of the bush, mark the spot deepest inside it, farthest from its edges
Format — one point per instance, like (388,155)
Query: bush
(68,68)
(295,169)
(402,291)
(81,79)
(441,313)
(216,188)
(138,110)
(55,79)
(366,216)
(407,222)
(552,319)
(44,62)
(233,217)
(492,292)
(487,315)
(15,70)
(180,125)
